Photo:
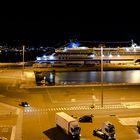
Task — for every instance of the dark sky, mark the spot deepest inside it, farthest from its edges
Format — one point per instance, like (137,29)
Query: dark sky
(94,25)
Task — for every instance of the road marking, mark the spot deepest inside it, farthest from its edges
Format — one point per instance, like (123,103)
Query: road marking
(98,107)
(13,133)
(129,121)
(73,100)
(6,125)
(130,105)
(49,96)
(5,129)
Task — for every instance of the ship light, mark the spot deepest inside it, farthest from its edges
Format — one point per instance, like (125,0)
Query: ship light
(74,44)
(92,55)
(134,49)
(65,49)
(38,58)
(44,56)
(51,57)
(83,48)
(134,45)
(137,47)
(51,76)
(127,49)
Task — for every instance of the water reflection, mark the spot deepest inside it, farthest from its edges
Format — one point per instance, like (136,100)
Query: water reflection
(130,76)
(134,77)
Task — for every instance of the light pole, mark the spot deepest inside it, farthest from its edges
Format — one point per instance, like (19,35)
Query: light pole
(102,97)
(93,100)
(23,55)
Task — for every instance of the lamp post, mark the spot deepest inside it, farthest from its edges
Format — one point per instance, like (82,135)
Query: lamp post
(93,100)
(23,55)
(102,77)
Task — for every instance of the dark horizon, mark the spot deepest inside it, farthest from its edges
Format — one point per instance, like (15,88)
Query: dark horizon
(44,29)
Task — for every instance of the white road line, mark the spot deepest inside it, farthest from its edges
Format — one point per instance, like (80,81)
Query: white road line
(18,132)
(49,96)
(13,133)
(4,129)
(73,108)
(130,105)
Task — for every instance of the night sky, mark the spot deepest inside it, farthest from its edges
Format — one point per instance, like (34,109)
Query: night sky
(39,28)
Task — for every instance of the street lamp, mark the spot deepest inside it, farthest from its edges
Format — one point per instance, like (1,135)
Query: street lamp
(102,76)
(93,100)
(23,55)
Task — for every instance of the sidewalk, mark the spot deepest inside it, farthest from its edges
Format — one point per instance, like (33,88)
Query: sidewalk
(10,122)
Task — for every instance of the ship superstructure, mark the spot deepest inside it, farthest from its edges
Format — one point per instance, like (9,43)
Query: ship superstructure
(81,55)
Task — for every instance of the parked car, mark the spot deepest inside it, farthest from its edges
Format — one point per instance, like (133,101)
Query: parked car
(24,104)
(86,118)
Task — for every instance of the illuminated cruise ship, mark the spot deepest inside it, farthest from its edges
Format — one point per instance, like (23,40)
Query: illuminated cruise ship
(77,54)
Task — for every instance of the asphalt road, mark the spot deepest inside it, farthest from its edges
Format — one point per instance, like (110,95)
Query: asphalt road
(38,119)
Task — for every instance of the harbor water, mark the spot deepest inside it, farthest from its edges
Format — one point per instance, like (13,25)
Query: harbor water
(129,76)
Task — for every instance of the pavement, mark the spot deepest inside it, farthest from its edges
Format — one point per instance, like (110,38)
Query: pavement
(10,122)
(11,117)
